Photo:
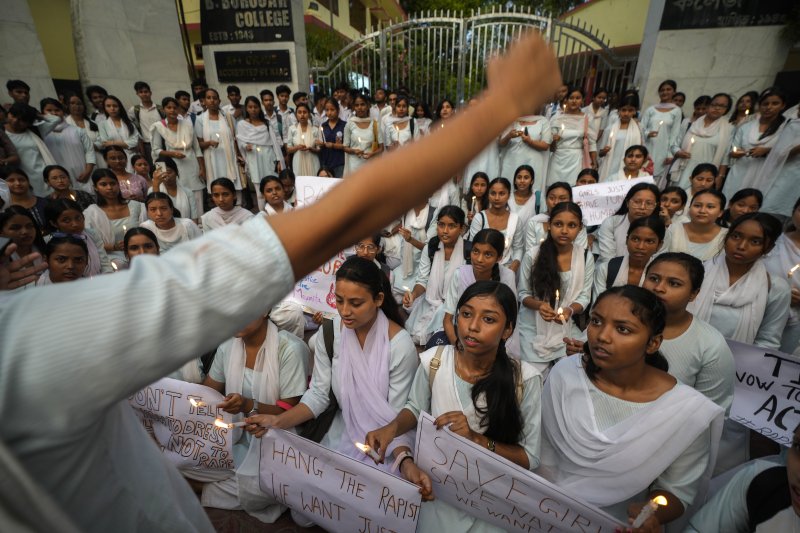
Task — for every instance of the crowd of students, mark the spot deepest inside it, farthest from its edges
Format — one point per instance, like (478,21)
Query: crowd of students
(575,352)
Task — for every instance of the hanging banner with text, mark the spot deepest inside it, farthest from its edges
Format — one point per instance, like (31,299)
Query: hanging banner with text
(336,492)
(185,433)
(766,395)
(601,200)
(315,291)
(488,487)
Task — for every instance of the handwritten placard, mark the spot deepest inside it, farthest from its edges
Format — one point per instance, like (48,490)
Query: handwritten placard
(488,487)
(601,200)
(186,434)
(766,396)
(336,492)
(315,291)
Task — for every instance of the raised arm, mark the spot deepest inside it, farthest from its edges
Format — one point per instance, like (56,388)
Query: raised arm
(381,191)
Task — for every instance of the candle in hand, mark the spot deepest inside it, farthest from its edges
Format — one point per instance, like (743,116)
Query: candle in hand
(793,269)
(473,204)
(367,450)
(648,511)
(557,298)
(228,425)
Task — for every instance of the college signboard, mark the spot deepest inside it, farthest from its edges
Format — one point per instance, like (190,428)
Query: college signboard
(245,21)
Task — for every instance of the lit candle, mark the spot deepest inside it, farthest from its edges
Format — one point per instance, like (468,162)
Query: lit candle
(114,266)
(473,204)
(72,197)
(184,146)
(735,149)
(366,450)
(691,144)
(258,148)
(746,113)
(793,269)
(408,291)
(557,299)
(198,403)
(562,130)
(124,229)
(648,511)
(628,176)
(228,425)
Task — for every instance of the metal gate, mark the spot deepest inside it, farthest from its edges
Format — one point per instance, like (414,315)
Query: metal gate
(443,55)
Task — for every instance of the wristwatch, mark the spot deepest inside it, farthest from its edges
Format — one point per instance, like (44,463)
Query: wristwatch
(254,410)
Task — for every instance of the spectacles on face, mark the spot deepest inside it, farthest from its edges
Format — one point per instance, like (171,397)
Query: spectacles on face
(366,248)
(643,203)
(61,235)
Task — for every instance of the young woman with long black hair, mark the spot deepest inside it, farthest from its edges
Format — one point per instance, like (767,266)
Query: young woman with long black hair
(641,201)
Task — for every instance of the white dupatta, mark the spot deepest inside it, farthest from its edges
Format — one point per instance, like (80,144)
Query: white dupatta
(217,218)
(611,466)
(226,141)
(783,257)
(776,159)
(549,337)
(269,210)
(44,151)
(97,219)
(266,390)
(749,295)
(444,392)
(363,385)
(416,224)
(439,275)
(698,129)
(632,136)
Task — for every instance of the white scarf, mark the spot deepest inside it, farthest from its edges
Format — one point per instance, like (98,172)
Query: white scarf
(363,385)
(679,242)
(402,136)
(217,218)
(226,140)
(631,136)
(699,130)
(416,224)
(748,295)
(784,257)
(44,151)
(624,270)
(611,466)
(181,139)
(440,275)
(269,210)
(549,340)
(621,235)
(97,219)
(751,138)
(788,138)
(444,392)
(171,236)
(266,390)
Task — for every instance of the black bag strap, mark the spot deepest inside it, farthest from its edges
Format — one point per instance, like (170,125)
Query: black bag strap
(614,264)
(327,336)
(767,495)
(431,214)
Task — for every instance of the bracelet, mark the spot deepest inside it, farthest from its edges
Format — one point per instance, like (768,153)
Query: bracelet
(283,405)
(399,460)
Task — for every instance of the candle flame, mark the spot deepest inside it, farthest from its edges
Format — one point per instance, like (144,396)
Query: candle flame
(195,403)
(557,294)
(746,112)
(660,123)
(363,447)
(72,197)
(115,267)
(794,268)
(692,139)
(660,500)
(406,289)
(222,424)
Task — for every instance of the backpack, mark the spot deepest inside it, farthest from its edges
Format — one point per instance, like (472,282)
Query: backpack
(614,264)
(316,428)
(436,362)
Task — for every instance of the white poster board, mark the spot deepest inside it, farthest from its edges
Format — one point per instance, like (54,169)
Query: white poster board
(766,397)
(484,485)
(186,434)
(336,492)
(601,200)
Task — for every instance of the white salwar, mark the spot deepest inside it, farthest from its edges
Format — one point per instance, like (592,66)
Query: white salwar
(664,119)
(182,140)
(93,136)
(183,200)
(264,154)
(220,160)
(362,139)
(108,131)
(517,152)
(481,221)
(73,150)
(618,140)
(745,173)
(780,173)
(677,240)
(577,137)
(710,145)
(113,231)
(783,257)
(304,163)
(34,154)
(405,274)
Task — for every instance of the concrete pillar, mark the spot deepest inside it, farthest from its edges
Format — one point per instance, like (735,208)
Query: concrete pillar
(21,54)
(119,42)
(254,48)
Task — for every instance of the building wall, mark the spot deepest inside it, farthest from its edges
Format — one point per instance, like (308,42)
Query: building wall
(21,53)
(622,21)
(53,25)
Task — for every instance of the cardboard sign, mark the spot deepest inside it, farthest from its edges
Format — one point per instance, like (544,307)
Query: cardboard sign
(601,200)
(490,488)
(336,492)
(186,434)
(766,394)
(309,189)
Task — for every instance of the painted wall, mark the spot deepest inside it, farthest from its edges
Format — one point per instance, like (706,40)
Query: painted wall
(622,21)
(132,41)
(52,19)
(21,53)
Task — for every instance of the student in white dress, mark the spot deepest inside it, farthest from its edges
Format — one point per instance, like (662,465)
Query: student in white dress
(67,259)
(527,142)
(701,236)
(439,260)
(527,193)
(303,143)
(672,204)
(477,391)
(70,145)
(17,224)
(274,195)
(618,430)
(779,174)
(169,230)
(363,137)
(697,353)
(132,186)
(484,265)
(260,370)
(423,117)
(537,227)
(742,202)
(117,129)
(223,194)
(400,128)
(258,145)
(59,181)
(555,285)
(622,133)
(640,201)
(704,176)
(369,372)
(644,239)
(707,141)
(140,241)
(477,199)
(112,216)
(781,261)
(169,182)
(31,149)
(175,137)
(216,135)
(598,111)
(271,255)
(574,141)
(661,124)
(76,116)
(753,141)
(498,216)
(762,497)
(413,229)
(66,216)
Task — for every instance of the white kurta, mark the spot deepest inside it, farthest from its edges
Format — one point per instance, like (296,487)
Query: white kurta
(743,173)
(95,459)
(361,139)
(517,153)
(108,131)
(220,160)
(668,125)
(72,149)
(184,141)
(304,163)
(567,161)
